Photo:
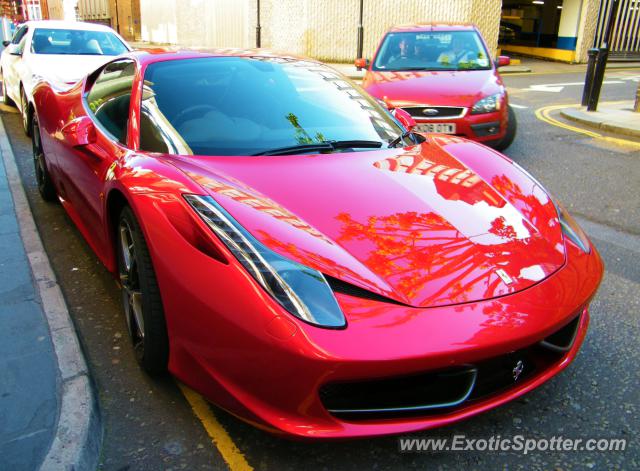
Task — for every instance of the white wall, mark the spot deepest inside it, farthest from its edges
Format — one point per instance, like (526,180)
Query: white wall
(214,23)
(324,29)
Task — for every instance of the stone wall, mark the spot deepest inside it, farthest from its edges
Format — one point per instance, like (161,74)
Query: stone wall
(323,29)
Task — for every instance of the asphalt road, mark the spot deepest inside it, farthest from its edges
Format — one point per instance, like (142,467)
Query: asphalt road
(150,425)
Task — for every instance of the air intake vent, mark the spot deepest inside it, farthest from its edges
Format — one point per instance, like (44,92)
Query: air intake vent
(435,112)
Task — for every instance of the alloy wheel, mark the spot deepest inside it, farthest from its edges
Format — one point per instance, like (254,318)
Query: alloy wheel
(25,111)
(38,158)
(131,289)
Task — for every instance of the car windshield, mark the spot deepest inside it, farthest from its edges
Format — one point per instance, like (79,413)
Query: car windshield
(432,50)
(76,42)
(252,105)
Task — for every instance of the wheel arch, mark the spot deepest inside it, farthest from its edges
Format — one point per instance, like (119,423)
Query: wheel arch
(31,109)
(115,201)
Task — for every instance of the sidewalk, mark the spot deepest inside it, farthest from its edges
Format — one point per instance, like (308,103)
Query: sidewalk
(526,65)
(354,74)
(616,117)
(48,417)
(521,64)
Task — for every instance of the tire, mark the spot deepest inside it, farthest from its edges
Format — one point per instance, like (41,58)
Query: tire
(512,126)
(45,185)
(27,116)
(5,96)
(141,300)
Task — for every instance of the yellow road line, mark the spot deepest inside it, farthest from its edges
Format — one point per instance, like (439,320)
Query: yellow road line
(543,114)
(219,436)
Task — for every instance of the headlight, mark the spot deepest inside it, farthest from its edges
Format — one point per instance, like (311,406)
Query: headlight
(488,104)
(571,229)
(302,291)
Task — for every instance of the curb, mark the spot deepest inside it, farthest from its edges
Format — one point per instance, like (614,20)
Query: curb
(578,116)
(78,435)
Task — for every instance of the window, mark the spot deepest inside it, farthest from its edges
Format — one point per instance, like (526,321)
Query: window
(432,50)
(17,37)
(76,42)
(243,106)
(110,96)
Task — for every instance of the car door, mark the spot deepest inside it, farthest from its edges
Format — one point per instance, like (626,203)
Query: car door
(83,169)
(11,58)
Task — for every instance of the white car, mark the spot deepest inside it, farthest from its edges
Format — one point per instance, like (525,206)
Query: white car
(60,52)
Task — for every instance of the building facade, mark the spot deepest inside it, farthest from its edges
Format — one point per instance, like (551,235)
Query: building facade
(324,29)
(121,15)
(566,29)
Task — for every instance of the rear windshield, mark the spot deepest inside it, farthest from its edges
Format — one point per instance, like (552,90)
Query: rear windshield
(243,106)
(76,42)
(433,50)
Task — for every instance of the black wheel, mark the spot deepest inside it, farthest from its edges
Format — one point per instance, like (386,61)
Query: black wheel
(5,97)
(512,126)
(45,185)
(141,296)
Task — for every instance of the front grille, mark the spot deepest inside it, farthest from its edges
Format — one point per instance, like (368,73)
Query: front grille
(444,391)
(438,112)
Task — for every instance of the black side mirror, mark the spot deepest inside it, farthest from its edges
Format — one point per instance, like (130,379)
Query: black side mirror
(6,43)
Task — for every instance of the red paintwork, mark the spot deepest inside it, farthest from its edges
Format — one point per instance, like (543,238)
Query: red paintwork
(441,88)
(425,225)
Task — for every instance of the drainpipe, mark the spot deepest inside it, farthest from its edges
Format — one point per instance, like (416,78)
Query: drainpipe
(360,31)
(258,27)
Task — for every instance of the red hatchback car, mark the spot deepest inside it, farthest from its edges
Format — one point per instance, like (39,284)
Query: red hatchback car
(444,77)
(289,249)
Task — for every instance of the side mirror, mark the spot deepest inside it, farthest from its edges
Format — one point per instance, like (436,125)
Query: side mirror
(405,118)
(80,132)
(361,63)
(6,43)
(502,61)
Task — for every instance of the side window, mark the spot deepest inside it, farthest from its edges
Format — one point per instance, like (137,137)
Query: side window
(19,34)
(110,96)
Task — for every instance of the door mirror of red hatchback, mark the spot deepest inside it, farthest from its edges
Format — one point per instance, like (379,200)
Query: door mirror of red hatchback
(80,132)
(405,118)
(361,63)
(502,61)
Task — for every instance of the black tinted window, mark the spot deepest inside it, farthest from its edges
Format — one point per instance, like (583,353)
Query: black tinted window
(242,106)
(110,96)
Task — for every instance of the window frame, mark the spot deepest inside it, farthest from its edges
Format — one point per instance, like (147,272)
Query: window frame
(88,86)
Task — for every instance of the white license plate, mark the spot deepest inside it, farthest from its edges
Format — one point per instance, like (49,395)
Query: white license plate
(444,128)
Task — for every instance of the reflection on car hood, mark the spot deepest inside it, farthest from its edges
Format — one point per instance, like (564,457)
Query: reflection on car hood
(461,88)
(66,69)
(445,222)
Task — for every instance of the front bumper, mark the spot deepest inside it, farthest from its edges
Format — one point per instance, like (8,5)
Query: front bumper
(485,128)
(232,343)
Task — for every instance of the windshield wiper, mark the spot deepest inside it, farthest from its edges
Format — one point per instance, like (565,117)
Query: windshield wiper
(401,137)
(408,69)
(322,146)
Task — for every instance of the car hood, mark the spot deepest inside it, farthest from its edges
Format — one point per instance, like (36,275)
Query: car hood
(66,68)
(445,222)
(453,88)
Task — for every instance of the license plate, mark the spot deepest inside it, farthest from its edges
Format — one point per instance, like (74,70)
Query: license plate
(444,128)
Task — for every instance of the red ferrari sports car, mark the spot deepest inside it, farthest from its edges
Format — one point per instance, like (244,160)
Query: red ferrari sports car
(291,249)
(443,76)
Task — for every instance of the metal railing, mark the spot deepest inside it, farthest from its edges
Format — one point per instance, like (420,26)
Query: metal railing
(625,36)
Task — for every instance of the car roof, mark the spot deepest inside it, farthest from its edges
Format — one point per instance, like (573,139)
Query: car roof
(160,54)
(76,25)
(435,26)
